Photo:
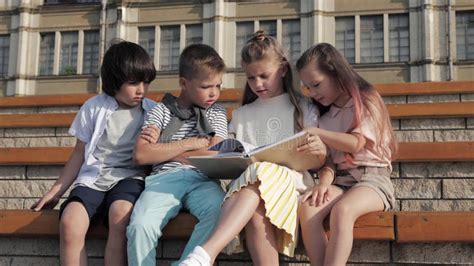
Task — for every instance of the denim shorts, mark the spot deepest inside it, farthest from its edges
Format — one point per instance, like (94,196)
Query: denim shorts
(97,203)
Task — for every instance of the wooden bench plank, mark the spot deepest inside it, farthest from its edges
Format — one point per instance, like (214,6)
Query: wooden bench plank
(408,152)
(26,223)
(425,88)
(35,156)
(228,95)
(397,111)
(435,110)
(44,100)
(234,94)
(372,226)
(436,151)
(36,120)
(434,227)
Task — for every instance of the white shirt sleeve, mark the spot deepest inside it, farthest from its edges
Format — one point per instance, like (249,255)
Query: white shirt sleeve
(84,123)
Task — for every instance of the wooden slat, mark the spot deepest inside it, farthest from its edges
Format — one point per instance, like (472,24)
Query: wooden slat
(234,94)
(436,151)
(26,223)
(434,226)
(35,156)
(397,111)
(435,110)
(425,88)
(44,100)
(36,120)
(227,95)
(372,226)
(408,152)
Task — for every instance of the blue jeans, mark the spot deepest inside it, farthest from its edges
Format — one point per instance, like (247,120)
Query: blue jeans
(164,195)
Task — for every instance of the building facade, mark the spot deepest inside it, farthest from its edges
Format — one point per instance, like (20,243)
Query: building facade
(55,46)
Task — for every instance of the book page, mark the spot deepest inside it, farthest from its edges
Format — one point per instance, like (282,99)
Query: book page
(285,153)
(287,143)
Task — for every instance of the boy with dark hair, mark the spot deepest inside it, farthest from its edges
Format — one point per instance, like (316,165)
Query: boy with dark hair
(186,125)
(105,181)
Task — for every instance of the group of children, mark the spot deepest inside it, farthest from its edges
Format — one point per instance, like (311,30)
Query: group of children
(120,132)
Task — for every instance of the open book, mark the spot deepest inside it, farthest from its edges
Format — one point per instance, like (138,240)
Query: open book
(234,157)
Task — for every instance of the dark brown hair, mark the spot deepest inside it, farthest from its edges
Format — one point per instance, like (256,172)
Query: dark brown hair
(125,62)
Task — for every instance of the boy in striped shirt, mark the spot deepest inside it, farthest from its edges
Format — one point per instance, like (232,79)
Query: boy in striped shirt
(176,128)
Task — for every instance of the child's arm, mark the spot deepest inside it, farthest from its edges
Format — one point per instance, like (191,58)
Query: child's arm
(200,152)
(346,142)
(147,152)
(321,193)
(66,178)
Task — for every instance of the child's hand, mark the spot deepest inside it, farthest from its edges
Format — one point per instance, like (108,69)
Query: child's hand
(196,143)
(314,146)
(150,134)
(181,159)
(313,131)
(48,201)
(318,195)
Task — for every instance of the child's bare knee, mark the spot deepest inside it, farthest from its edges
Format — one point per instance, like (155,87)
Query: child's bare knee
(341,214)
(120,210)
(72,228)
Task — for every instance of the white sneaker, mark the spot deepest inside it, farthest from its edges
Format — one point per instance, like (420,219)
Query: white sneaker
(198,257)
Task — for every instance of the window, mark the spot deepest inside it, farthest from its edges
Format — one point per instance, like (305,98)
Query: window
(68,57)
(244,33)
(146,39)
(291,38)
(399,38)
(169,48)
(90,63)
(46,57)
(345,37)
(465,35)
(371,39)
(270,27)
(193,34)
(4,54)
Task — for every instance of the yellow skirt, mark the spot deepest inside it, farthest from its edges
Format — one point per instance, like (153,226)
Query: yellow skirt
(278,192)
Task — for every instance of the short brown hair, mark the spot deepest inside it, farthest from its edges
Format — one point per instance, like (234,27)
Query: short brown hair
(196,56)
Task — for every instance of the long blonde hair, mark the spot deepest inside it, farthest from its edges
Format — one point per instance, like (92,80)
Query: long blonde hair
(367,101)
(259,47)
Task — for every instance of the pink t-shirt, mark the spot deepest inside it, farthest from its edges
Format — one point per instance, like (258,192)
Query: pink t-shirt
(340,119)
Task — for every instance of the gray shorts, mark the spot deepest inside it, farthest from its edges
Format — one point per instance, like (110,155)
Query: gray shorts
(377,178)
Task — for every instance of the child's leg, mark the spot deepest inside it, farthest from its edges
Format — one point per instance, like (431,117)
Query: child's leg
(312,229)
(203,201)
(353,204)
(116,248)
(236,212)
(119,203)
(260,238)
(158,203)
(72,233)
